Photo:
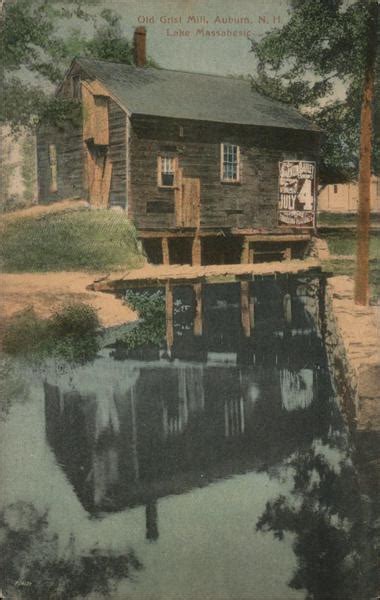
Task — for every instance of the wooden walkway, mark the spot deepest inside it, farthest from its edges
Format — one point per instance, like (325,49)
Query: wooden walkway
(177,274)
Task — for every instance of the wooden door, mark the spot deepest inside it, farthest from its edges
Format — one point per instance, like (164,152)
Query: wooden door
(187,201)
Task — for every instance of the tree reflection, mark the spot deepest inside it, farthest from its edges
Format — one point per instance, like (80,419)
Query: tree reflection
(33,566)
(323,511)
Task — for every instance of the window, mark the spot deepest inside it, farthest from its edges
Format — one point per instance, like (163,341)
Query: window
(167,166)
(230,163)
(53,168)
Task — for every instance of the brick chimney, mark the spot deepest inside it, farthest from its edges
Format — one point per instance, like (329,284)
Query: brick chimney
(139,46)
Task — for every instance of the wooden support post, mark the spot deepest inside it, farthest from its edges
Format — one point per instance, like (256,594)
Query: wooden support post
(244,258)
(251,255)
(197,251)
(198,309)
(165,251)
(244,306)
(169,317)
(288,253)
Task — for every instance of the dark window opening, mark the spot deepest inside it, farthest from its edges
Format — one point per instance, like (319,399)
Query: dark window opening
(221,250)
(153,250)
(180,251)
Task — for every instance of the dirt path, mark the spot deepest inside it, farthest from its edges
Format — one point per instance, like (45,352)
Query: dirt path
(48,291)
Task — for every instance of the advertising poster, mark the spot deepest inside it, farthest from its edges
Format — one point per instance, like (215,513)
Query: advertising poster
(189,300)
(297,203)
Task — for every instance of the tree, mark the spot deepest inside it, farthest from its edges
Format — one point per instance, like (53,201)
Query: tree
(320,51)
(366,134)
(36,50)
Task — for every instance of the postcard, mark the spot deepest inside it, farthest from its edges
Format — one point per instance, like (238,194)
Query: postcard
(189,340)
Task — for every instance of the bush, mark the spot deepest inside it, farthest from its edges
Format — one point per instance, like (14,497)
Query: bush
(70,334)
(151,310)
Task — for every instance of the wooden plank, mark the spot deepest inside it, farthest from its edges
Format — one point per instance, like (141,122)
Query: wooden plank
(165,251)
(101,121)
(106,183)
(190,210)
(196,253)
(245,309)
(198,309)
(169,317)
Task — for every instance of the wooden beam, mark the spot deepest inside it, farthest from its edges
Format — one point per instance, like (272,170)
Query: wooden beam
(196,252)
(198,309)
(169,317)
(244,306)
(165,251)
(301,237)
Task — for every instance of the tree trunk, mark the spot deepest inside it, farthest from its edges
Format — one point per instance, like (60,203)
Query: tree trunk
(364,208)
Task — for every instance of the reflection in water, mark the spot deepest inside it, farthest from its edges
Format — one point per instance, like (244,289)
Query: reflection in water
(196,460)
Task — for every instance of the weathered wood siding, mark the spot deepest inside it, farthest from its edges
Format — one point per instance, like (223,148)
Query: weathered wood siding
(250,203)
(117,152)
(71,156)
(70,162)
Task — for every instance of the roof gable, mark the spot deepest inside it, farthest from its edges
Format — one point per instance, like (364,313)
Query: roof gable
(183,95)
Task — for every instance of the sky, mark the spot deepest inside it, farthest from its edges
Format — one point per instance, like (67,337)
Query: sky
(177,35)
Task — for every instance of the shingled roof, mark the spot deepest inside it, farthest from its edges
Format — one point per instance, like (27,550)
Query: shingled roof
(183,95)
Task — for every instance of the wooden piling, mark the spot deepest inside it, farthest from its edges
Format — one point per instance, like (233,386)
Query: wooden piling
(169,317)
(198,309)
(287,306)
(245,308)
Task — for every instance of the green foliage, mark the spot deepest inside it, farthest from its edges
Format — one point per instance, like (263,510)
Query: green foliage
(76,240)
(11,387)
(324,44)
(70,334)
(33,42)
(151,310)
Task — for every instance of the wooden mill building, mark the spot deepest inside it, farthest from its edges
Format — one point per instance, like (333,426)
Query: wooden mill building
(192,158)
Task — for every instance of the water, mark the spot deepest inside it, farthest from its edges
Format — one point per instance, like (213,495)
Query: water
(222,473)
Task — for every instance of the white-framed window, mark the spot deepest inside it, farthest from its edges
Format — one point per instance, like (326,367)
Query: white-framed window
(166,169)
(53,168)
(230,163)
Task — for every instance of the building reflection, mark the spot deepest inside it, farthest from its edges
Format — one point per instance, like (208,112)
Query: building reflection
(230,403)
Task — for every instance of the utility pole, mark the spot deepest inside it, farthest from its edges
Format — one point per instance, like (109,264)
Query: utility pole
(366,120)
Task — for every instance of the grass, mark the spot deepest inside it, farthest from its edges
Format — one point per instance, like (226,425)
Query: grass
(87,240)
(70,334)
(326,218)
(343,244)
